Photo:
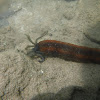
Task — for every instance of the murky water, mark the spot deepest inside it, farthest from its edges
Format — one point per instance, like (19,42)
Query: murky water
(24,78)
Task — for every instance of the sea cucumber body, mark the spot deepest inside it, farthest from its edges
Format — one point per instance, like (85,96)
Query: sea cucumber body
(68,51)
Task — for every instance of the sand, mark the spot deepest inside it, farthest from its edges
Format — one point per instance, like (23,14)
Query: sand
(23,78)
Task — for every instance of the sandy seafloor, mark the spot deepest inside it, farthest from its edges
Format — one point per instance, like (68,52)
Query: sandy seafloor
(22,78)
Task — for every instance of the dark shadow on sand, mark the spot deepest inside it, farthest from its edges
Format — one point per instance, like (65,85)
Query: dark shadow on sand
(77,93)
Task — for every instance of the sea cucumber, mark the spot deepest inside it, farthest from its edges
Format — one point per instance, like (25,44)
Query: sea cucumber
(66,51)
